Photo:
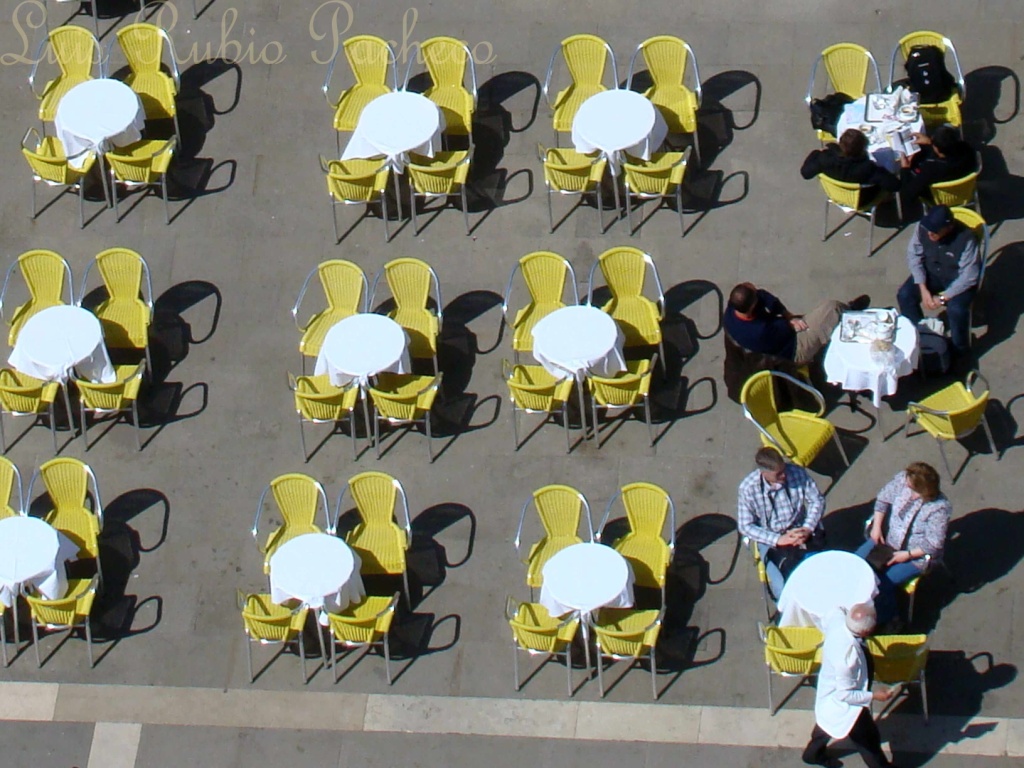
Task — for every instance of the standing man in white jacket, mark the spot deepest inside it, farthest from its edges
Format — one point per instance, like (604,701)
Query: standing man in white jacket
(842,708)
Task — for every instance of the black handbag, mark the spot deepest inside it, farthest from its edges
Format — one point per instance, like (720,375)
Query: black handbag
(825,112)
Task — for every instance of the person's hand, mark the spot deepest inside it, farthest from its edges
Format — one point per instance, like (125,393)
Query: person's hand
(876,533)
(798,324)
(804,533)
(790,538)
(904,160)
(899,557)
(883,694)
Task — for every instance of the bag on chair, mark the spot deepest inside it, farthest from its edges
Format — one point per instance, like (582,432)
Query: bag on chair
(927,73)
(825,112)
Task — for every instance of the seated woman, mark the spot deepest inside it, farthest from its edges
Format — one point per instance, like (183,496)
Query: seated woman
(849,161)
(944,156)
(917,514)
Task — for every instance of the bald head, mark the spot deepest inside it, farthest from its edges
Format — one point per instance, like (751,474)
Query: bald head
(861,619)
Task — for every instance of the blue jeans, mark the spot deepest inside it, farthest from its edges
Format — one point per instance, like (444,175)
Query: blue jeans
(958,312)
(894,576)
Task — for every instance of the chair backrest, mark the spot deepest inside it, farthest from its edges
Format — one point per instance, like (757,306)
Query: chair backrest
(791,650)
(344,285)
(354,181)
(625,632)
(117,395)
(44,273)
(410,281)
(265,621)
(956,192)
(48,161)
(65,611)
(566,170)
(297,498)
(531,387)
(921,37)
(316,399)
(651,178)
(67,483)
(22,394)
(648,506)
(545,275)
(143,169)
(586,57)
(533,628)
(369,57)
(898,658)
(446,59)
(758,397)
(624,269)
(436,178)
(368,628)
(76,50)
(122,270)
(846,194)
(10,480)
(143,47)
(400,397)
(560,508)
(847,66)
(376,497)
(622,390)
(666,57)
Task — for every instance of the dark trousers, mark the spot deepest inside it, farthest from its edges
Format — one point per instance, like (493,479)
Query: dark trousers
(958,311)
(864,736)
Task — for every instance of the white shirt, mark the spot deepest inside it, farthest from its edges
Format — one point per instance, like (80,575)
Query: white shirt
(843,685)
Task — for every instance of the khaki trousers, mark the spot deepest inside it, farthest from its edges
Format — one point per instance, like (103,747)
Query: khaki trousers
(821,321)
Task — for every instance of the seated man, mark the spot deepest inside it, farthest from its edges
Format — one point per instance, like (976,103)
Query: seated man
(780,508)
(849,161)
(945,264)
(943,157)
(757,321)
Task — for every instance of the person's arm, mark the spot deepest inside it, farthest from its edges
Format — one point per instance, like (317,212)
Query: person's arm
(883,503)
(915,257)
(812,164)
(746,516)
(970,271)
(847,688)
(815,503)
(771,303)
(883,179)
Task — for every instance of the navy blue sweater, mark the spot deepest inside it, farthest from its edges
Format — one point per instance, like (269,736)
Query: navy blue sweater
(768,332)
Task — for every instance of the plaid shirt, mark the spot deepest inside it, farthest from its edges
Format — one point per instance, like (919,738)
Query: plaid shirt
(764,513)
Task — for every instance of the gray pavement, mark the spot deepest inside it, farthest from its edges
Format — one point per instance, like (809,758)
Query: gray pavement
(220,423)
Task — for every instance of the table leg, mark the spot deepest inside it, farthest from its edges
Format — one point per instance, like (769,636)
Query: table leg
(67,405)
(366,412)
(580,380)
(584,625)
(320,634)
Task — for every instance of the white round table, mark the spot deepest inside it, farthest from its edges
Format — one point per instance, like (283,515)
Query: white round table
(32,552)
(361,346)
(317,569)
(577,339)
(585,577)
(56,340)
(395,124)
(615,121)
(823,583)
(98,115)
(853,365)
(878,133)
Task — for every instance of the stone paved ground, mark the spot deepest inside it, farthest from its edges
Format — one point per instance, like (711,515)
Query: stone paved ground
(219,425)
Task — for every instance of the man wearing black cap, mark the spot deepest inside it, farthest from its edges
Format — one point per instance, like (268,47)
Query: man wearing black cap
(945,265)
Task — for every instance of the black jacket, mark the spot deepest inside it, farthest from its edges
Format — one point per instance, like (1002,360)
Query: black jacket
(928,168)
(856,170)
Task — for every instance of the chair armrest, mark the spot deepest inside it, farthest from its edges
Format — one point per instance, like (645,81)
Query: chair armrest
(35,66)
(31,132)
(434,384)
(918,407)
(697,87)
(389,607)
(547,77)
(327,81)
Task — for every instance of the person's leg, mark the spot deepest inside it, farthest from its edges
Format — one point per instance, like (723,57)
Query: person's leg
(821,321)
(866,738)
(888,584)
(775,580)
(909,299)
(815,752)
(958,312)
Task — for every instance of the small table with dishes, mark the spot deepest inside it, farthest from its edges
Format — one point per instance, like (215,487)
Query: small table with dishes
(33,552)
(97,115)
(888,120)
(574,340)
(822,584)
(584,577)
(394,125)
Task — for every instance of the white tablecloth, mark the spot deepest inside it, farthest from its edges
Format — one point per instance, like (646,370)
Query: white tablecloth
(852,366)
(317,569)
(878,134)
(823,583)
(362,346)
(585,577)
(32,552)
(615,121)
(98,115)
(578,339)
(54,341)
(394,125)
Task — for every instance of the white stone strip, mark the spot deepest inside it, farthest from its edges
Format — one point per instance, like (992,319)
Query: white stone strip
(115,745)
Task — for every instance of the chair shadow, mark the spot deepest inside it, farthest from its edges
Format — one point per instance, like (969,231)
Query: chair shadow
(171,334)
(999,304)
(1000,192)
(985,89)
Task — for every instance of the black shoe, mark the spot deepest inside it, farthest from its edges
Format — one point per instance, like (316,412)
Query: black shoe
(828,762)
(861,302)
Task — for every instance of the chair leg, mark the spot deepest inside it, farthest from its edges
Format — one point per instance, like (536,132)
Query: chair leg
(302,653)
(384,214)
(679,204)
(387,658)
(871,233)
(167,205)
(81,203)
(910,607)
(88,641)
(35,642)
(85,426)
(647,414)
(696,144)
(248,656)
(430,441)
(771,699)
(515,427)
(988,434)
(515,669)
(113,194)
(551,223)
(600,210)
(654,676)
(565,426)
(302,440)
(824,227)
(405,583)
(593,412)
(33,199)
(600,676)
(53,428)
(412,210)
(568,668)
(465,206)
(334,656)
(618,203)
(839,444)
(3,437)
(924,697)
(334,217)
(376,432)
(629,213)
(135,421)
(352,429)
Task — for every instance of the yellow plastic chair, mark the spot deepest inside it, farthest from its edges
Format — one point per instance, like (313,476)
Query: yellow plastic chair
(537,632)
(46,275)
(958,192)
(365,625)
(667,58)
(569,172)
(762,574)
(560,509)
(947,111)
(70,484)
(900,660)
(120,396)
(798,435)
(404,399)
(586,58)
(973,221)
(546,275)
(625,633)
(143,47)
(447,60)
(623,393)
(410,282)
(142,164)
(647,547)
(953,413)
(357,182)
(10,480)
(624,269)
(76,51)
(381,538)
(317,401)
(531,389)
(127,311)
(269,624)
(298,497)
(22,395)
(369,58)
(346,292)
(444,175)
(660,178)
(45,156)
(790,652)
(849,197)
(69,613)
(847,66)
